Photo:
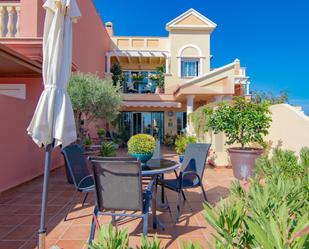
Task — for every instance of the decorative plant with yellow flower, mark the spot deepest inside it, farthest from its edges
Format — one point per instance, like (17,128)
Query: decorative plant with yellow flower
(141,144)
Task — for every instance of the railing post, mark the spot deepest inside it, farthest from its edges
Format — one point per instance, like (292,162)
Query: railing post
(2,20)
(10,26)
(17,9)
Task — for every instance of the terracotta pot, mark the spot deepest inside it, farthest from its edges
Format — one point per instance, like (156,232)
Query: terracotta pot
(243,161)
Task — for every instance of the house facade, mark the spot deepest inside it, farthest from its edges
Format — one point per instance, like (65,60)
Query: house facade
(189,79)
(21,84)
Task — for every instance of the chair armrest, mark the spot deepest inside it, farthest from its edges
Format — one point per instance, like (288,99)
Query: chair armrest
(86,177)
(184,173)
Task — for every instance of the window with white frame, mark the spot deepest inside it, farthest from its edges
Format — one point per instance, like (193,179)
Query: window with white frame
(190,67)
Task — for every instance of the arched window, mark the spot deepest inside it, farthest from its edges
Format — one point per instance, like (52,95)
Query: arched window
(189,61)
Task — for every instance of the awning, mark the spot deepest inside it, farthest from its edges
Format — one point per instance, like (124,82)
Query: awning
(152,104)
(140,53)
(14,64)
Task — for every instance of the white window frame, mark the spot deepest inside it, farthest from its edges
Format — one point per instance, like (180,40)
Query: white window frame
(193,59)
(200,58)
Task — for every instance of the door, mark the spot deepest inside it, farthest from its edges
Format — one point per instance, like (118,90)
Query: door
(151,123)
(136,126)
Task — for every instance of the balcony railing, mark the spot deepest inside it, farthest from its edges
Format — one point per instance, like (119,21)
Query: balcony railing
(9,19)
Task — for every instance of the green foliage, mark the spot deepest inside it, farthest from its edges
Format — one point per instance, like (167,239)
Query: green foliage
(199,119)
(141,144)
(108,149)
(109,238)
(182,141)
(161,75)
(242,121)
(100,132)
(190,245)
(260,97)
(272,213)
(87,142)
(117,77)
(150,244)
(169,140)
(93,98)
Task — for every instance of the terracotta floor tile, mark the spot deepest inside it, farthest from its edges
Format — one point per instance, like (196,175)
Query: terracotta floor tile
(10,244)
(32,244)
(71,244)
(4,230)
(55,233)
(77,232)
(12,219)
(21,233)
(20,212)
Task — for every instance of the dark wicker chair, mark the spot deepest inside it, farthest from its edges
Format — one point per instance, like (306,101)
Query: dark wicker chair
(191,173)
(118,187)
(77,166)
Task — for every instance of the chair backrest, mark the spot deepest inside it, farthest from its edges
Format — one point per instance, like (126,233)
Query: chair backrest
(118,183)
(76,162)
(195,158)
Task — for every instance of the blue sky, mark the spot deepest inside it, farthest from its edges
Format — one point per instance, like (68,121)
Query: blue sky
(271,38)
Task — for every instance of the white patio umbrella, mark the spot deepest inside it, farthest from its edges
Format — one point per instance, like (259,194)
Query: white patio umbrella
(53,122)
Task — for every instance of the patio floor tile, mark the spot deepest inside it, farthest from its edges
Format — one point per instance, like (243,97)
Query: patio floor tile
(11,244)
(21,233)
(20,209)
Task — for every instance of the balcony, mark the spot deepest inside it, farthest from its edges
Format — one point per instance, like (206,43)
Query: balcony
(139,82)
(139,43)
(9,19)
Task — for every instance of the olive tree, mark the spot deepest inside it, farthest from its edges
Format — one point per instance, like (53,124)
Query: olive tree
(93,98)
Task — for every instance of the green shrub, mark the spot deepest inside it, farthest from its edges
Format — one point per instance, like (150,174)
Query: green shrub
(190,245)
(150,244)
(108,149)
(109,238)
(273,213)
(141,144)
(182,141)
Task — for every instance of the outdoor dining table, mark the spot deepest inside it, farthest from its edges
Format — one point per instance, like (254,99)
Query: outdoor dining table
(153,169)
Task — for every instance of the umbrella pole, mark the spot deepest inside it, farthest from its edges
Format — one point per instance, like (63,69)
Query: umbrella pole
(42,230)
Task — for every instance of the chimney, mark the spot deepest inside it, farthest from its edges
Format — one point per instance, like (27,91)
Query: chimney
(109,28)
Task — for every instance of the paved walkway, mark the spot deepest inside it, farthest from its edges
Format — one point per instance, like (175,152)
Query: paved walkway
(20,209)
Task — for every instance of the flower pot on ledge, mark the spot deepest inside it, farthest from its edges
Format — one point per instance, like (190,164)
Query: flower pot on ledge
(243,161)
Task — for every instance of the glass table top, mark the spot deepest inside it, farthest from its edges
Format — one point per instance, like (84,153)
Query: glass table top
(159,166)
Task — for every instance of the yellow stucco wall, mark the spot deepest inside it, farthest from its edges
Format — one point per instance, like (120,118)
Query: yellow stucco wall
(180,39)
(191,20)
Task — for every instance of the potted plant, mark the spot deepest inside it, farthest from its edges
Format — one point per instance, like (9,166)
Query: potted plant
(108,149)
(181,143)
(87,143)
(243,122)
(100,133)
(141,146)
(158,78)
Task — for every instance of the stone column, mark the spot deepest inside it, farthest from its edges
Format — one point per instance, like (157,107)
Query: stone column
(248,88)
(190,108)
(167,65)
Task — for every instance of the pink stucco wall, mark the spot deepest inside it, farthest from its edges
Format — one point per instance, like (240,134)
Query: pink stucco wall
(20,159)
(90,40)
